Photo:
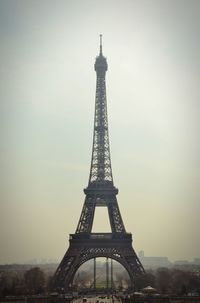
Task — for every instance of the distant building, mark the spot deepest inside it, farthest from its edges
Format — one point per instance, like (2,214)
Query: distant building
(181,262)
(196,261)
(154,262)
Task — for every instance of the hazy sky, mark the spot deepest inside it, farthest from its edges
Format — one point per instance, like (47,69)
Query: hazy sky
(48,50)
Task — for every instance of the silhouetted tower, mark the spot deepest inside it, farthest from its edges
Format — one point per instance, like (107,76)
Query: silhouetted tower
(100,192)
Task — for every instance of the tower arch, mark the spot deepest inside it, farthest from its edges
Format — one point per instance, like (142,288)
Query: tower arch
(101,272)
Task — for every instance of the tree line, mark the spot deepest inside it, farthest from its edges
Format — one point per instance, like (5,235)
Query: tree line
(30,282)
(166,281)
(170,281)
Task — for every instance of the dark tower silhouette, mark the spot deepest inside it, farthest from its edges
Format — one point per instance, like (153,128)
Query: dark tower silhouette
(100,192)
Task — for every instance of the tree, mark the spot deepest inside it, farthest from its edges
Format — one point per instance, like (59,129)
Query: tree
(34,280)
(11,283)
(144,280)
(163,278)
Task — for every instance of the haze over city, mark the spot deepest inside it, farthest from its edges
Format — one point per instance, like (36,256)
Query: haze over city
(48,51)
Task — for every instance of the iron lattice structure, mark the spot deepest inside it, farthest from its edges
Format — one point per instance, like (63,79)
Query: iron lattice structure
(85,245)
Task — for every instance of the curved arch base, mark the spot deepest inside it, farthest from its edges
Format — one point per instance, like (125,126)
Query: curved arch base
(84,247)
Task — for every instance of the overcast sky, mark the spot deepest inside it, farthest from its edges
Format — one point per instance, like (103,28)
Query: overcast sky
(47,88)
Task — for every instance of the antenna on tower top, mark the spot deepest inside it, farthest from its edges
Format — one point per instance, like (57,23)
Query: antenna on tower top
(100,44)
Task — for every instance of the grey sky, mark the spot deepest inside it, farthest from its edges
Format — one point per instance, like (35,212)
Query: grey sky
(47,92)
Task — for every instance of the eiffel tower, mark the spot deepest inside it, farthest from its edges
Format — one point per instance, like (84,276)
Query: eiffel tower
(100,192)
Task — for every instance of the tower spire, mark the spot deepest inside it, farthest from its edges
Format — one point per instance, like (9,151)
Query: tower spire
(100,36)
(100,171)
